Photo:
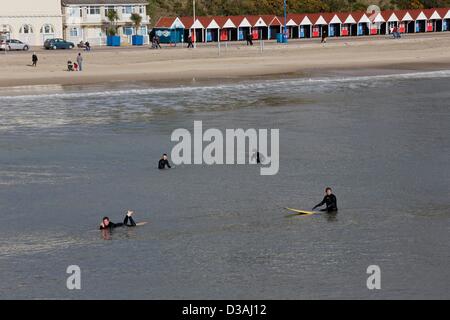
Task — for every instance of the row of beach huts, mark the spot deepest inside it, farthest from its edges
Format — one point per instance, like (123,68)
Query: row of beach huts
(299,26)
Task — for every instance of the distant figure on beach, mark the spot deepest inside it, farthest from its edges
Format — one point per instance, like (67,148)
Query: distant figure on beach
(69,66)
(80,61)
(75,66)
(157,42)
(34,59)
(324,36)
(249,39)
(127,222)
(329,200)
(163,162)
(87,46)
(190,43)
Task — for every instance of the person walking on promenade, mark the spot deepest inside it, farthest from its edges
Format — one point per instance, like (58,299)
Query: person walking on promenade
(80,62)
(190,43)
(34,59)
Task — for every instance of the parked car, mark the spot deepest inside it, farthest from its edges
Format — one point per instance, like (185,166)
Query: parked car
(58,44)
(13,44)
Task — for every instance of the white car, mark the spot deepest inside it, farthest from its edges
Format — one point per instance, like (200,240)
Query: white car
(14,44)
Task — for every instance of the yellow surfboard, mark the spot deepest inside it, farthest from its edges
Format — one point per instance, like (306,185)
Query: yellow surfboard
(301,212)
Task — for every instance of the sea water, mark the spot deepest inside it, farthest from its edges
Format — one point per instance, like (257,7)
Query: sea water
(71,155)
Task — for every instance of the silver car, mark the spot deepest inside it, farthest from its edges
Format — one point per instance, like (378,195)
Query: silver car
(14,44)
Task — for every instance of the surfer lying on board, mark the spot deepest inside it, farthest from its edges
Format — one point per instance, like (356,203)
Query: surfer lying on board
(127,222)
(330,201)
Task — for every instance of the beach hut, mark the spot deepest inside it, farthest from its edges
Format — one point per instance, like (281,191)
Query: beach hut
(293,25)
(170,30)
(378,23)
(228,30)
(334,24)
(306,27)
(211,29)
(319,25)
(363,23)
(349,25)
(192,28)
(445,19)
(391,20)
(406,24)
(243,26)
(275,26)
(420,20)
(260,29)
(434,20)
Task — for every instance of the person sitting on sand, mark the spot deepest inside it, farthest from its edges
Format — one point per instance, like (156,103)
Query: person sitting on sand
(127,222)
(69,66)
(163,162)
(75,66)
(330,201)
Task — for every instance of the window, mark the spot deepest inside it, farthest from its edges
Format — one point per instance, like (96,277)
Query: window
(93,10)
(26,29)
(108,9)
(143,31)
(75,12)
(6,28)
(141,9)
(47,29)
(127,10)
(128,31)
(74,32)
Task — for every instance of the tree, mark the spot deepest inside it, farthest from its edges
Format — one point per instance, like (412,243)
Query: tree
(112,18)
(136,18)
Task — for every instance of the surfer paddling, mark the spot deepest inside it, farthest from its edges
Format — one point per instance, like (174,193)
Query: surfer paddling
(329,200)
(163,162)
(127,222)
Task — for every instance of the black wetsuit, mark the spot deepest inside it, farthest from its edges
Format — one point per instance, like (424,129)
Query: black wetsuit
(125,223)
(330,201)
(163,163)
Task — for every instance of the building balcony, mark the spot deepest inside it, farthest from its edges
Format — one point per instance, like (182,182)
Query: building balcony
(101,20)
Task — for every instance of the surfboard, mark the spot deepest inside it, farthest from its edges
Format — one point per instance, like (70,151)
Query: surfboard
(301,212)
(138,224)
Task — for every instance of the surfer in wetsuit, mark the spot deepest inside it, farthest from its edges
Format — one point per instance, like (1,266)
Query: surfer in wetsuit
(163,162)
(329,200)
(127,222)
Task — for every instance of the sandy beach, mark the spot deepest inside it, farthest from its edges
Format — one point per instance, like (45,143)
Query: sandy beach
(236,60)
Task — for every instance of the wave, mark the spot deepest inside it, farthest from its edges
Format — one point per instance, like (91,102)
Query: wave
(259,84)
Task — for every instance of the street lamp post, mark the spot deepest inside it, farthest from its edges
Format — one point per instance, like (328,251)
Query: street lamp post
(285,20)
(195,36)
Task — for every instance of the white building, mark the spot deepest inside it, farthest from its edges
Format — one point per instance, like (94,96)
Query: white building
(86,20)
(31,21)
